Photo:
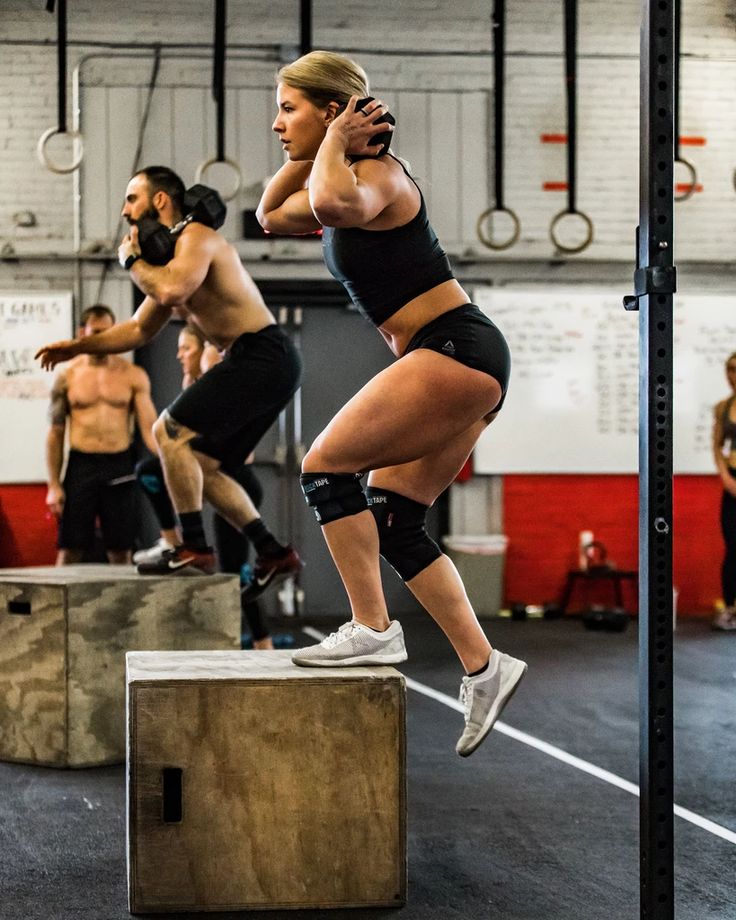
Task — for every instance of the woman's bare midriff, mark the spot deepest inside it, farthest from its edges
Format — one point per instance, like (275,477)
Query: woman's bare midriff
(399,329)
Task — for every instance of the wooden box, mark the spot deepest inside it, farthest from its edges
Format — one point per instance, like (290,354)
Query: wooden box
(63,637)
(256,784)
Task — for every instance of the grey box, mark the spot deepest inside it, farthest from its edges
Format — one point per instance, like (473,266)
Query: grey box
(64,633)
(480,560)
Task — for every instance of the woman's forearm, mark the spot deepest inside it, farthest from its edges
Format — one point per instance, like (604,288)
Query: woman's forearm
(289,180)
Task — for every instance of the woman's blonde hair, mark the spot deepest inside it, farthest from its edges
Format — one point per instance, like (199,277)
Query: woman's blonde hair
(195,332)
(324,76)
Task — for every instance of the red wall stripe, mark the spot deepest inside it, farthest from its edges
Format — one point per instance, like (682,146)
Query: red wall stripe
(553,138)
(543,516)
(554,186)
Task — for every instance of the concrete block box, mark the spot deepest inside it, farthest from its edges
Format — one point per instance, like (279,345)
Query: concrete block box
(63,637)
(256,784)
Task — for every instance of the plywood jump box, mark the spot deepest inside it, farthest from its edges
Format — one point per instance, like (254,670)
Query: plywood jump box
(64,633)
(255,784)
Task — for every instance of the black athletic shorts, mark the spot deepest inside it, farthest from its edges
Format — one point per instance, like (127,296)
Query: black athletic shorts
(234,404)
(467,335)
(99,486)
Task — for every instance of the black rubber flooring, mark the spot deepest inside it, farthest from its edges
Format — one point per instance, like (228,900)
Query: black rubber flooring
(508,833)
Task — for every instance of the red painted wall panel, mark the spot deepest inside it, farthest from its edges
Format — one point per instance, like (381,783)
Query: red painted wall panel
(27,533)
(543,516)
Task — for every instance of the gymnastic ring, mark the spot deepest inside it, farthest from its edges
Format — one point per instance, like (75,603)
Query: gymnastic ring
(44,160)
(203,167)
(693,176)
(571,249)
(486,239)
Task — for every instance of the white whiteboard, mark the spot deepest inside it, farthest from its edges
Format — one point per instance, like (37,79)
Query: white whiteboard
(572,405)
(28,320)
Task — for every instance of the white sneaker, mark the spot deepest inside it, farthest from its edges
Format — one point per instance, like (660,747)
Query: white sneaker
(153,553)
(484,697)
(354,644)
(726,620)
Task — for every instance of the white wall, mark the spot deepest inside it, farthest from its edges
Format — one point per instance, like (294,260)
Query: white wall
(455,137)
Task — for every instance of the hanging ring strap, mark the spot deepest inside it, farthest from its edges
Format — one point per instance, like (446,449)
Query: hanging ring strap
(61,80)
(571,35)
(218,74)
(690,187)
(484,225)
(218,94)
(305,26)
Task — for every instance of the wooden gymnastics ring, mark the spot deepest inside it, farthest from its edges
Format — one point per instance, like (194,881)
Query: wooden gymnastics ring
(486,239)
(203,167)
(43,156)
(571,249)
(693,176)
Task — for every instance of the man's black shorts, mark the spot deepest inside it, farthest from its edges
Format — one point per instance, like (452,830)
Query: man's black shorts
(234,404)
(99,485)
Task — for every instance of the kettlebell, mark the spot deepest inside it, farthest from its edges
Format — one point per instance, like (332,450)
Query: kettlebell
(384,138)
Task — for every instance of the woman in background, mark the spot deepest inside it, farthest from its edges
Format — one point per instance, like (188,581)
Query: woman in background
(233,548)
(724,433)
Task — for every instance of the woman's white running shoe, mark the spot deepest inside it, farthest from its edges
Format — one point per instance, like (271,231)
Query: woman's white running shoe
(354,644)
(484,697)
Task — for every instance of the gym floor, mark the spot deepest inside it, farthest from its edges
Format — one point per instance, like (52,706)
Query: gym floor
(512,832)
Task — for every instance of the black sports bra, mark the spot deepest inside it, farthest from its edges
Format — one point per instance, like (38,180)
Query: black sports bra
(383,270)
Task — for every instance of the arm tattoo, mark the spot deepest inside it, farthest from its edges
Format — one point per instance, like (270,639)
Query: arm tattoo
(173,428)
(59,405)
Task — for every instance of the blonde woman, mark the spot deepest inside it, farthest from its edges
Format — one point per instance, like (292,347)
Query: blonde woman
(414,424)
(724,433)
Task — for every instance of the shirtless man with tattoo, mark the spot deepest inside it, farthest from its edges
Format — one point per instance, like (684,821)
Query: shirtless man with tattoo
(98,397)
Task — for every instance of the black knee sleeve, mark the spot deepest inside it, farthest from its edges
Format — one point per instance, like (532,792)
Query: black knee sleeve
(333,495)
(405,543)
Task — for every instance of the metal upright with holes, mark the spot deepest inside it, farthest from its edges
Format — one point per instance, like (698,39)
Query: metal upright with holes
(655,283)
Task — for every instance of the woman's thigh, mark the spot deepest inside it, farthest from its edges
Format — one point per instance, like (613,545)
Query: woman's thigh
(409,411)
(423,480)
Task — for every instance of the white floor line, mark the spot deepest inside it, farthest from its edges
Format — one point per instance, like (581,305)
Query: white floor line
(570,759)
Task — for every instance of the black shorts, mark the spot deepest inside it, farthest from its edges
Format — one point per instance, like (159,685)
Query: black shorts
(99,486)
(234,404)
(467,335)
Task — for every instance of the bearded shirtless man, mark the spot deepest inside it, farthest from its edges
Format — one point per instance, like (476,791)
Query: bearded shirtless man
(99,398)
(207,432)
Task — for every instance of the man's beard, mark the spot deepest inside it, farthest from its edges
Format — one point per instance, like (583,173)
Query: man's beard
(150,212)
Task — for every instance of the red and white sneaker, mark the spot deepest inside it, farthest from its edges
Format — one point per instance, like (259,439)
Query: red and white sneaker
(180,561)
(271,570)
